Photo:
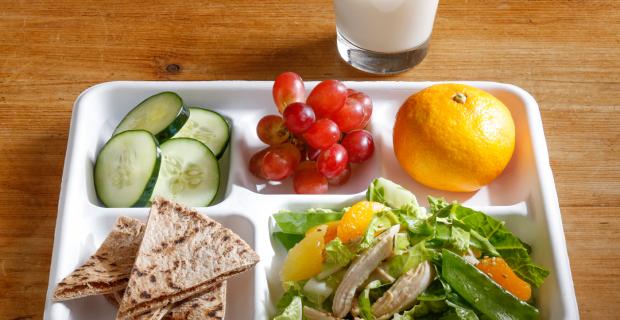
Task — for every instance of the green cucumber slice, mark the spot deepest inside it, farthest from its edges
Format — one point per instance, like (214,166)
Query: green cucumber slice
(208,127)
(189,172)
(163,115)
(126,169)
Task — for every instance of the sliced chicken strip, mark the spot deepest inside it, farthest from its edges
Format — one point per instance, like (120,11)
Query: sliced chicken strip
(404,292)
(314,314)
(360,269)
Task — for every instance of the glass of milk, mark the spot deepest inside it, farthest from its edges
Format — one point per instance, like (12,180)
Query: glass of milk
(384,36)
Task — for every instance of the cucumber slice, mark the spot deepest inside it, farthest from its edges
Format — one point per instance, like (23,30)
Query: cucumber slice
(208,127)
(163,115)
(126,169)
(189,172)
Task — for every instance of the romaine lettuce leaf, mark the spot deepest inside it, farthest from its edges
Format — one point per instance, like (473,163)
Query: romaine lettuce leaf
(293,311)
(289,240)
(380,222)
(397,265)
(337,256)
(292,290)
(436,204)
(300,222)
(292,226)
(364,300)
(317,291)
(459,239)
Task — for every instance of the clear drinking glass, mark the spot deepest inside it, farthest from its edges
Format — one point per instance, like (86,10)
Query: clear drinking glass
(384,36)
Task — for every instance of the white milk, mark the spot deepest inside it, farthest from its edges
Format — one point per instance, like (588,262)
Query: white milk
(386,25)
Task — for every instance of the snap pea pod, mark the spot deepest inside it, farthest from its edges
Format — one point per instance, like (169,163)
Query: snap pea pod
(481,292)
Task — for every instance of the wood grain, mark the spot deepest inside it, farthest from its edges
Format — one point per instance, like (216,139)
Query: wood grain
(566,53)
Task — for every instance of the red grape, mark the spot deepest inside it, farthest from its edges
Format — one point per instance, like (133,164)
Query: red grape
(342,178)
(275,162)
(322,134)
(350,116)
(256,163)
(298,117)
(299,143)
(308,180)
(333,161)
(271,130)
(327,97)
(359,144)
(288,88)
(366,103)
(312,153)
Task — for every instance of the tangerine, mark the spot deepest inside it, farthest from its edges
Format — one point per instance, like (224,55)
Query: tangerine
(454,137)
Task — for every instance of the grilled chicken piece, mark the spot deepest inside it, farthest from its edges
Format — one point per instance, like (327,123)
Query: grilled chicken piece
(404,292)
(314,314)
(360,269)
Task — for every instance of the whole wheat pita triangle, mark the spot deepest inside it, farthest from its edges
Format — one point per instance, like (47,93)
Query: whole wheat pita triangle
(182,254)
(107,270)
(208,306)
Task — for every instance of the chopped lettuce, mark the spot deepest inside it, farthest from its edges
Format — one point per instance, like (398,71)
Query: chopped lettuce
(300,222)
(293,311)
(398,265)
(337,256)
(401,243)
(459,239)
(292,290)
(364,300)
(380,222)
(317,291)
(289,240)
(292,226)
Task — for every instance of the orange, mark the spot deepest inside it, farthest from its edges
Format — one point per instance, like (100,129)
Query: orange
(331,230)
(305,259)
(500,272)
(453,137)
(355,221)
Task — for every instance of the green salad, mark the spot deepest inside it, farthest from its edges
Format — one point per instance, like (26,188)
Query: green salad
(388,258)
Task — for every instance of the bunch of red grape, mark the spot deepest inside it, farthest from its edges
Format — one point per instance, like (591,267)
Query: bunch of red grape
(315,140)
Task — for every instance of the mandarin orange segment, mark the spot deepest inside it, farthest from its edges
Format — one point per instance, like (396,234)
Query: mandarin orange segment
(356,220)
(305,259)
(500,272)
(330,230)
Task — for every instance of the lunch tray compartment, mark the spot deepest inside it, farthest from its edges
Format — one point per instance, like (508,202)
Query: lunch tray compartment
(524,195)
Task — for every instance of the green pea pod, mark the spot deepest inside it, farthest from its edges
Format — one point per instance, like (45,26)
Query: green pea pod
(481,292)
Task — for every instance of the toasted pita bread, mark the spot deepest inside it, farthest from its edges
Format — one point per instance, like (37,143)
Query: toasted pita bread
(209,306)
(182,254)
(107,270)
(114,298)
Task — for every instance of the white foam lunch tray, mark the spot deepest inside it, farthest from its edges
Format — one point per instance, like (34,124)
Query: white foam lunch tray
(524,195)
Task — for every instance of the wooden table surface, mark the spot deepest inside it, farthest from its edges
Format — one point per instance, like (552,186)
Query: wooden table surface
(566,53)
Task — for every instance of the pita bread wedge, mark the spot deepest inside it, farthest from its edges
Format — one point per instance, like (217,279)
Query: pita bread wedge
(183,254)
(114,298)
(107,270)
(209,306)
